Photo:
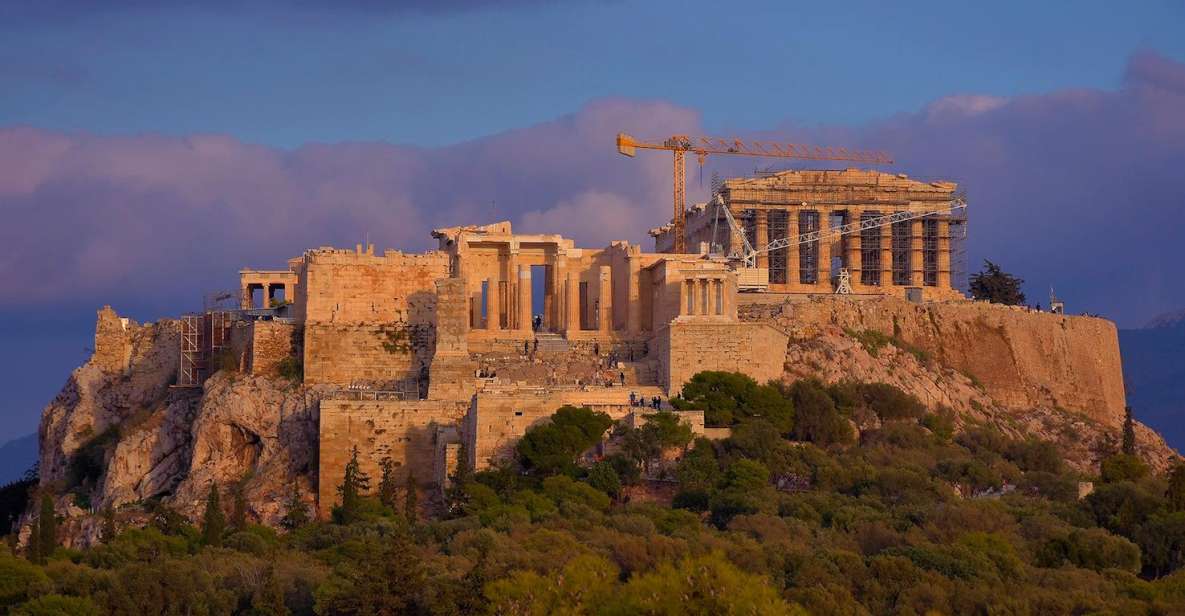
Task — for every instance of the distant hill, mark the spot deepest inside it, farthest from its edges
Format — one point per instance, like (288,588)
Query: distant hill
(1154,373)
(16,456)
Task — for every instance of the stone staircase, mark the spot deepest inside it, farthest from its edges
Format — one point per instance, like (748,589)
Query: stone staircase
(551,342)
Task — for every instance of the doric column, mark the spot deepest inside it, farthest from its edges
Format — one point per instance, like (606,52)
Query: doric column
(245,297)
(824,250)
(886,255)
(706,301)
(853,243)
(606,297)
(687,297)
(915,249)
(572,303)
(492,320)
(633,308)
(761,237)
(524,298)
(734,236)
(792,252)
(943,254)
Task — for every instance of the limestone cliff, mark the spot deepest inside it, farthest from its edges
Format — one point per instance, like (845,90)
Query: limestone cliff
(118,434)
(1027,373)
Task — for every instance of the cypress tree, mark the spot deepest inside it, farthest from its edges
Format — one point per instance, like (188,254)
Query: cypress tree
(409,505)
(213,520)
(108,530)
(238,512)
(354,483)
(47,528)
(1129,432)
(387,483)
(295,512)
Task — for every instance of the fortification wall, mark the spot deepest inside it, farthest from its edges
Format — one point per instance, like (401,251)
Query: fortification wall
(1023,359)
(113,341)
(367,317)
(689,346)
(271,343)
(404,431)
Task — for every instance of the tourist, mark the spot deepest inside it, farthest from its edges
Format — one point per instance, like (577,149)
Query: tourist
(622,376)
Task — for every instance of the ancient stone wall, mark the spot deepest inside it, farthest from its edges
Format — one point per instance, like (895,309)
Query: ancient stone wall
(113,342)
(689,346)
(369,318)
(1022,359)
(404,431)
(271,343)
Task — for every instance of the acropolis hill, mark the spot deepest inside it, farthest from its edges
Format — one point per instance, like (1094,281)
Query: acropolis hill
(418,357)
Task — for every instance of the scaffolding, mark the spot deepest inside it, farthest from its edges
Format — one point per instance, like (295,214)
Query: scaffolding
(203,336)
(870,252)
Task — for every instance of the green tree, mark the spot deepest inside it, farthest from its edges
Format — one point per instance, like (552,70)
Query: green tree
(57,605)
(603,477)
(1129,432)
(268,597)
(1122,467)
(728,398)
(552,447)
(296,514)
(47,528)
(213,519)
(410,505)
(815,416)
(1176,488)
(381,577)
(707,585)
(238,509)
(354,483)
(387,487)
(996,286)
(108,530)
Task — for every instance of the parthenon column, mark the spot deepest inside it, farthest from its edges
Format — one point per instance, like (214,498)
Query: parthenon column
(524,298)
(559,280)
(761,238)
(943,254)
(572,303)
(854,243)
(886,232)
(606,297)
(825,249)
(915,249)
(792,274)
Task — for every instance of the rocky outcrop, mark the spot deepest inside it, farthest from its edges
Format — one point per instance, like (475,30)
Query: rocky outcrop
(1022,358)
(1027,374)
(118,434)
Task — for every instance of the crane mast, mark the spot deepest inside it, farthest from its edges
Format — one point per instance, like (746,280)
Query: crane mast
(680,145)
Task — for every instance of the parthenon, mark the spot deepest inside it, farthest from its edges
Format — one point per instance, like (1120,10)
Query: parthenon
(913,253)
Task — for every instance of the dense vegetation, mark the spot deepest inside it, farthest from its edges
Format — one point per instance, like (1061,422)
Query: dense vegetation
(794,513)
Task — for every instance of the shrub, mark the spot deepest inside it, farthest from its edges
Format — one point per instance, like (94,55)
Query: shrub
(891,403)
(728,398)
(291,368)
(1122,467)
(552,447)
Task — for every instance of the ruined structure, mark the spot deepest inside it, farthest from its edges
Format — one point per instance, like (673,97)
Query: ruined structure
(477,340)
(882,260)
(416,358)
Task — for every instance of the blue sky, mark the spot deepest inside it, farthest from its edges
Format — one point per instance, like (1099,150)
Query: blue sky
(285,76)
(150,149)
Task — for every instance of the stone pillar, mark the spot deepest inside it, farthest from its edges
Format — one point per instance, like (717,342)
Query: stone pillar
(944,254)
(549,299)
(493,322)
(886,255)
(824,283)
(289,292)
(633,308)
(605,294)
(245,297)
(705,305)
(572,304)
(475,309)
(559,292)
(853,243)
(524,298)
(687,290)
(761,237)
(915,249)
(792,263)
(734,237)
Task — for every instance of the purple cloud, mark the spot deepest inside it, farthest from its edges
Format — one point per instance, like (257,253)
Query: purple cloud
(1079,189)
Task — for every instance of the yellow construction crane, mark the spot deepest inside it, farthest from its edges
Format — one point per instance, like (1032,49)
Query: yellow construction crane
(680,145)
